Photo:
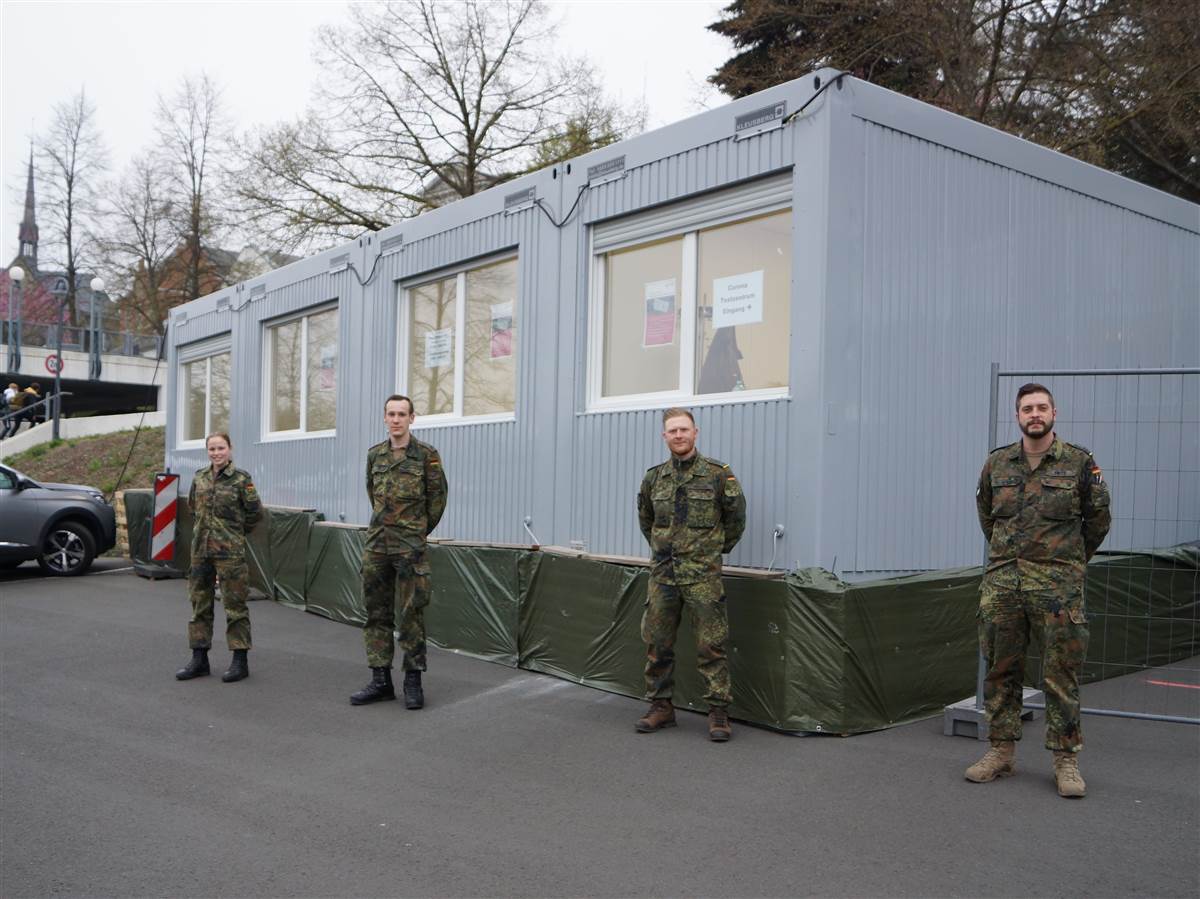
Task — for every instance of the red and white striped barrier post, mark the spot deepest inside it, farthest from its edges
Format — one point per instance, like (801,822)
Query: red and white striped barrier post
(166,509)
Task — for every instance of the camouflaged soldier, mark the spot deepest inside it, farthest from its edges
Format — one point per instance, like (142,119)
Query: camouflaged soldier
(1044,508)
(691,510)
(224,507)
(407,490)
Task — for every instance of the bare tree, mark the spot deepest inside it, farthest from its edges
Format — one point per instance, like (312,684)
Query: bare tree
(193,133)
(71,160)
(141,234)
(422,103)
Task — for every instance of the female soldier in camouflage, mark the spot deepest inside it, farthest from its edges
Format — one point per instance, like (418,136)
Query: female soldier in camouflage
(224,507)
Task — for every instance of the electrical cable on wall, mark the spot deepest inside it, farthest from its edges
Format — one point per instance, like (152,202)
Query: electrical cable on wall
(370,275)
(570,212)
(836,79)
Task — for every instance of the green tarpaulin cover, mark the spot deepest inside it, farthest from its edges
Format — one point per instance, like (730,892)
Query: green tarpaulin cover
(808,652)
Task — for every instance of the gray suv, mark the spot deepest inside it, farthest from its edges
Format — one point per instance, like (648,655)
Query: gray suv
(62,526)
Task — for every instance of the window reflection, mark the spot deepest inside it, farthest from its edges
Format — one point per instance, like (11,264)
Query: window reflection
(743,316)
(489,364)
(641,318)
(431,346)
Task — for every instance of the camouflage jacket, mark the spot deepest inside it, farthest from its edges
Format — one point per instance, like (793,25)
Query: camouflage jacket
(224,508)
(1042,525)
(408,497)
(690,512)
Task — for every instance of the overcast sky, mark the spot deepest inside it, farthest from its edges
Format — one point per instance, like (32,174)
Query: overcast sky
(125,53)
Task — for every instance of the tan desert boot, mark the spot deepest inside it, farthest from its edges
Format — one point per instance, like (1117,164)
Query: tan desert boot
(999,761)
(1067,777)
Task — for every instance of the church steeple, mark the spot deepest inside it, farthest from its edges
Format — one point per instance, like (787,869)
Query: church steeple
(29,228)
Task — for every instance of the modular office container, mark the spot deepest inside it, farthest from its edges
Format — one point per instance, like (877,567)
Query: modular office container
(823,272)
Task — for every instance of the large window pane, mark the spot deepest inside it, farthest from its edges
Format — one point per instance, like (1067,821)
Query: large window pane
(218,399)
(285,376)
(431,346)
(321,363)
(641,318)
(195,394)
(743,319)
(490,371)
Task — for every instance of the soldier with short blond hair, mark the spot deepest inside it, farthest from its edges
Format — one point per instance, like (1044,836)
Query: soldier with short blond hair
(691,510)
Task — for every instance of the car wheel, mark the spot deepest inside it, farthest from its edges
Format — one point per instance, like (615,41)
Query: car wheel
(68,550)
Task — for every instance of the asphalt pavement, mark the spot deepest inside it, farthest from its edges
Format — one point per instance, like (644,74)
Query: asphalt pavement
(118,780)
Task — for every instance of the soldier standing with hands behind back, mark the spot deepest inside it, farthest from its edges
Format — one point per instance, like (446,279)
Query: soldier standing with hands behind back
(1044,508)
(407,490)
(691,510)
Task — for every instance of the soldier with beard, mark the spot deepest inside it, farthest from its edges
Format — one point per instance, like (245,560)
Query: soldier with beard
(1044,508)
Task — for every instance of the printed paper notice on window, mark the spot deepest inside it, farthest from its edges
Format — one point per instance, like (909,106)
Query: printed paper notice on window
(439,347)
(502,328)
(659,327)
(738,300)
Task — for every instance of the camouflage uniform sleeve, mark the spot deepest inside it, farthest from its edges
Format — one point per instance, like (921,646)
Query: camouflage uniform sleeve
(192,497)
(436,488)
(645,507)
(983,500)
(370,484)
(733,509)
(251,504)
(1094,500)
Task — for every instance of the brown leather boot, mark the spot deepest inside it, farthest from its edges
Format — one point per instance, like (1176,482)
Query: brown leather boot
(719,730)
(660,714)
(1067,778)
(999,761)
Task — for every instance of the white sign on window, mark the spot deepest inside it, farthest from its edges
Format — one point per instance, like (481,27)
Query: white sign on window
(439,345)
(738,300)
(658,327)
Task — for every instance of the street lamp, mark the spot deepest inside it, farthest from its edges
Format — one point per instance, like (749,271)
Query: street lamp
(16,275)
(97,285)
(58,363)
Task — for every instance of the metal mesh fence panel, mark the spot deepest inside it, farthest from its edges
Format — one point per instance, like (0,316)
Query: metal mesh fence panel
(1143,588)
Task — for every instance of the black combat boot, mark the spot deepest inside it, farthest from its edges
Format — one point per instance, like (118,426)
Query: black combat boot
(379,689)
(414,696)
(238,668)
(197,667)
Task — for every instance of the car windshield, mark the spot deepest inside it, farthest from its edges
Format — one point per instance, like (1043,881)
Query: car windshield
(20,476)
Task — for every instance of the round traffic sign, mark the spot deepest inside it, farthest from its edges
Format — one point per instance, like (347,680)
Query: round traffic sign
(53,364)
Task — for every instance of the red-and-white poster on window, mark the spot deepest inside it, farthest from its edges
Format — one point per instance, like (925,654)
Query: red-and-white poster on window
(659,326)
(502,329)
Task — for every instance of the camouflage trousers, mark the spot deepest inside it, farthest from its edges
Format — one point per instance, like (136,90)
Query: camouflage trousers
(664,607)
(394,584)
(1058,624)
(235,588)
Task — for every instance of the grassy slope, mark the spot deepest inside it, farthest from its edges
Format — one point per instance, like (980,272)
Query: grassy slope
(95,461)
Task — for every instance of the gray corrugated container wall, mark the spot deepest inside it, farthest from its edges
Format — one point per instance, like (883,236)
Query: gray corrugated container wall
(924,247)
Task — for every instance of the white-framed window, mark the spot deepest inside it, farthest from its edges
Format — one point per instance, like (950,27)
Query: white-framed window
(203,390)
(300,366)
(691,303)
(457,343)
